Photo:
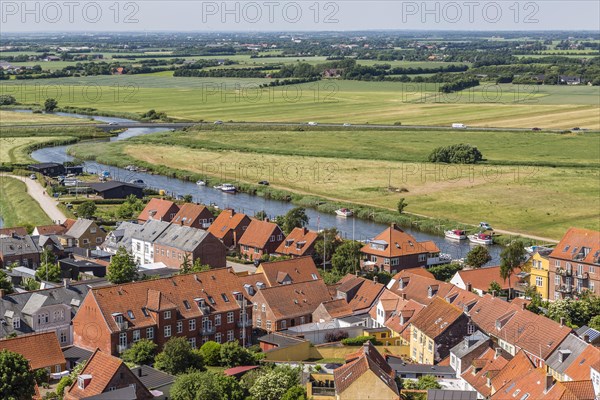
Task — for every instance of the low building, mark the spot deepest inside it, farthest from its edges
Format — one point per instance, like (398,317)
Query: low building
(158,382)
(538,266)
(435,330)
(120,237)
(21,250)
(86,234)
(42,350)
(193,216)
(143,238)
(200,307)
(280,307)
(158,209)
(229,227)
(361,294)
(300,242)
(480,281)
(178,243)
(48,169)
(286,272)
(470,348)
(260,238)
(479,373)
(71,268)
(117,190)
(104,373)
(394,250)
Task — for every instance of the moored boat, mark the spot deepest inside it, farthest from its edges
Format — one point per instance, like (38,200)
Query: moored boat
(481,238)
(343,212)
(228,188)
(200,182)
(456,234)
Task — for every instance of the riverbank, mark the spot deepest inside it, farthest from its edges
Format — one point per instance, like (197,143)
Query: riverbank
(323,204)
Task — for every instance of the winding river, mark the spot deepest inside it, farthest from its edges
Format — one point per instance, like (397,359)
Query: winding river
(348,227)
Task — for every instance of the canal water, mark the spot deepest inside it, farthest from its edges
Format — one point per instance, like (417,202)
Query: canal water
(349,227)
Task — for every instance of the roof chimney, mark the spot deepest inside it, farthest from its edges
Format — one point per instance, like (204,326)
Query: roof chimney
(139,371)
(403,296)
(523,306)
(498,350)
(549,382)
(586,338)
(66,282)
(2,292)
(375,278)
(394,226)
(469,287)
(562,321)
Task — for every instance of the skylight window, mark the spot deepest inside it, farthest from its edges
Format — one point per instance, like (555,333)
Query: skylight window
(186,304)
(145,312)
(225,298)
(212,301)
(130,314)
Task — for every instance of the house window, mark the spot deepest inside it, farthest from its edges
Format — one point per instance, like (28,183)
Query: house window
(17,323)
(179,326)
(280,237)
(395,261)
(218,337)
(136,335)
(591,286)
(167,331)
(557,280)
(192,324)
(592,269)
(150,333)
(192,342)
(539,282)
(63,337)
(283,324)
(579,269)
(301,320)
(255,306)
(256,250)
(167,314)
(557,263)
(430,345)
(123,339)
(86,241)
(230,336)
(92,230)
(217,319)
(230,317)
(272,239)
(264,308)
(386,261)
(258,322)
(422,257)
(373,259)
(99,239)
(43,318)
(470,329)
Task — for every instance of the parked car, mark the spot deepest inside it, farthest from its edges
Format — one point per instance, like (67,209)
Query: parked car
(218,122)
(486,226)
(536,129)
(347,124)
(266,183)
(33,176)
(576,128)
(113,123)
(312,123)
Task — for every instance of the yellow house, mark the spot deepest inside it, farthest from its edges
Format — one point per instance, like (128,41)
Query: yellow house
(538,267)
(435,330)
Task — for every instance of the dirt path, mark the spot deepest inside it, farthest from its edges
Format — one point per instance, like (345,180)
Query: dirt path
(38,193)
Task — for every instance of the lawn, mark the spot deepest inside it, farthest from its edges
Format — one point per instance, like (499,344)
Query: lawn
(17,149)
(540,201)
(329,101)
(17,208)
(27,118)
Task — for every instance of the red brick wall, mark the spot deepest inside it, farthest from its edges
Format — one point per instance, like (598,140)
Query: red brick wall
(89,328)
(211,251)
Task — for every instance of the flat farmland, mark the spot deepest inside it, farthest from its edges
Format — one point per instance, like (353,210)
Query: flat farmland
(28,118)
(325,101)
(17,149)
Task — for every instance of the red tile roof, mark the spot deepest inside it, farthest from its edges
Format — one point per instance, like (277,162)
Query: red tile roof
(578,390)
(258,233)
(300,269)
(290,301)
(573,244)
(416,286)
(40,349)
(137,296)
(580,367)
(226,221)
(17,230)
(51,229)
(239,370)
(481,278)
(420,271)
(158,209)
(399,243)
(436,318)
(366,292)
(485,366)
(336,308)
(298,242)
(190,213)
(368,358)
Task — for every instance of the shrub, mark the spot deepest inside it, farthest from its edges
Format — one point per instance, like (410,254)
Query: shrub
(336,336)
(456,154)
(358,341)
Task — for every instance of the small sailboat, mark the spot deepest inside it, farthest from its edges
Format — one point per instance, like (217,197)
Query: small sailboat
(456,234)
(344,212)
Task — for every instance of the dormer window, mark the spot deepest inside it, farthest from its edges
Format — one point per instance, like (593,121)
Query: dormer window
(118,318)
(167,314)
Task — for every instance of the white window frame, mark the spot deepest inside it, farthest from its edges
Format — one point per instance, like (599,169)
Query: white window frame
(167,331)
(150,333)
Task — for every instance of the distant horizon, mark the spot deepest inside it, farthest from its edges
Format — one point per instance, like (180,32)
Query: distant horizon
(48,17)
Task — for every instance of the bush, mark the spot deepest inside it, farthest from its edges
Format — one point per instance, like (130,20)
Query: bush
(456,154)
(212,353)
(336,336)
(358,341)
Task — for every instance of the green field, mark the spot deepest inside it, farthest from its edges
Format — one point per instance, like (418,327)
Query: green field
(358,167)
(326,101)
(17,149)
(17,208)
(27,118)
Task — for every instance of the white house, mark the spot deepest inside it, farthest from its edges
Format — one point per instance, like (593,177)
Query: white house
(142,240)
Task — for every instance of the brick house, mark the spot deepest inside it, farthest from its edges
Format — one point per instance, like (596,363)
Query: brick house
(158,209)
(279,307)
(194,216)
(229,227)
(361,294)
(86,234)
(19,249)
(260,238)
(176,242)
(285,272)
(42,350)
(104,373)
(142,240)
(394,250)
(203,306)
(435,330)
(300,242)
(575,264)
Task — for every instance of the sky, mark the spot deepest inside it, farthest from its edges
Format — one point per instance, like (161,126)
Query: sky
(308,15)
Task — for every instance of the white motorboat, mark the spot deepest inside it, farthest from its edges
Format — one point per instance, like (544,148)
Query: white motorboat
(200,182)
(344,212)
(481,238)
(228,188)
(456,234)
